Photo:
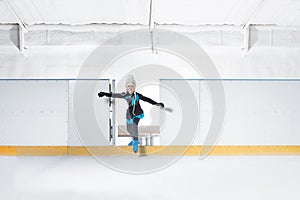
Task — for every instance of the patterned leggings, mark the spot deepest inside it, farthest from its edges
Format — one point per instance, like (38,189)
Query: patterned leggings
(133,128)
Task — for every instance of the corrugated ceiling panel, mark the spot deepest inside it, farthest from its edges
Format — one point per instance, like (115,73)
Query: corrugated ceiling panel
(279,12)
(186,12)
(237,12)
(199,12)
(5,15)
(82,11)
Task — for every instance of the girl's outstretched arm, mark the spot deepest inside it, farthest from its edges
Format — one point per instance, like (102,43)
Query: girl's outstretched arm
(110,94)
(147,99)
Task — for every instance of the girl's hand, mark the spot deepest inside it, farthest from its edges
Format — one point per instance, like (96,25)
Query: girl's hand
(101,94)
(161,105)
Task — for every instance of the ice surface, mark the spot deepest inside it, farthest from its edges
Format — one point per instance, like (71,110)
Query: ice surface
(62,178)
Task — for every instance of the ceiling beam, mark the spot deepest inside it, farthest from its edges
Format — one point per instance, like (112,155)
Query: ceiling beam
(247,24)
(246,38)
(22,26)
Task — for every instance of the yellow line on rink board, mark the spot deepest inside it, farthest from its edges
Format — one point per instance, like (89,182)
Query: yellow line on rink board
(33,150)
(148,150)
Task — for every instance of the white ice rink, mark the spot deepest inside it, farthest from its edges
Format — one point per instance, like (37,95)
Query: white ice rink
(214,178)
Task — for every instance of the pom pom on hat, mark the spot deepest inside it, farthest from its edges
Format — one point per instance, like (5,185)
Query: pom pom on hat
(130,80)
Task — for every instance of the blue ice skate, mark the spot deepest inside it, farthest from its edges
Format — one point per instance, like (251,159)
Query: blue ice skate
(130,143)
(135,145)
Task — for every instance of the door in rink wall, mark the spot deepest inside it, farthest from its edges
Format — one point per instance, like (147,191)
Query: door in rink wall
(91,125)
(179,121)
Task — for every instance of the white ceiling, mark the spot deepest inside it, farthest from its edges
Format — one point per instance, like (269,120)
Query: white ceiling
(235,12)
(5,14)
(186,12)
(81,11)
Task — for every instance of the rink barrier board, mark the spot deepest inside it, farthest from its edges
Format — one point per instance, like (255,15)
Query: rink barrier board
(149,150)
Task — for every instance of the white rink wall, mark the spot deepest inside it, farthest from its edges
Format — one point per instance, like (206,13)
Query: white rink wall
(257,112)
(41,113)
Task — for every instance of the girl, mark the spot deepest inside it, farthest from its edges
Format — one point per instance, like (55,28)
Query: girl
(134,112)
